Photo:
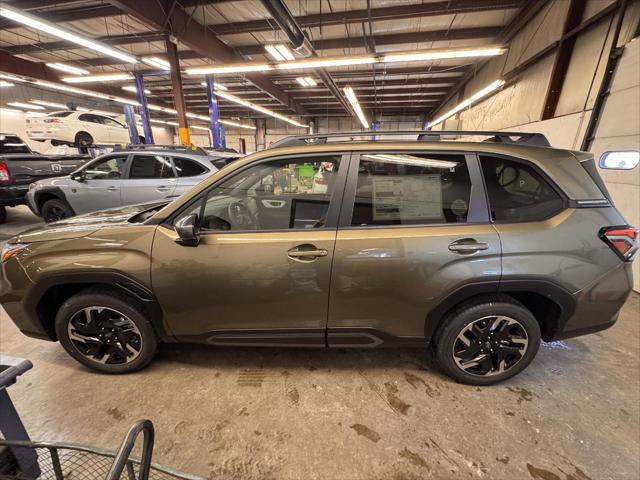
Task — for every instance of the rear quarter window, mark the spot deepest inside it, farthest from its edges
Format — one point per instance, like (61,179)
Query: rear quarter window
(188,168)
(517,192)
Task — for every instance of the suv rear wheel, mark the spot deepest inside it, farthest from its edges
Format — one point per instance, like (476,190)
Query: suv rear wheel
(106,330)
(488,341)
(55,209)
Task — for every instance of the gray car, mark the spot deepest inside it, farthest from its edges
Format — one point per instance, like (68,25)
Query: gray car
(129,176)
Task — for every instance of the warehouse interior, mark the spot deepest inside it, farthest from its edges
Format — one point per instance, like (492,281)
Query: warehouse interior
(235,77)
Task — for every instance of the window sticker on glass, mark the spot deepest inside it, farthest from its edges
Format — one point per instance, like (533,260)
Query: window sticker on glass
(407,197)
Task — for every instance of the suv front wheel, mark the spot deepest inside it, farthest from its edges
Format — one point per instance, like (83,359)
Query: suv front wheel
(488,341)
(106,330)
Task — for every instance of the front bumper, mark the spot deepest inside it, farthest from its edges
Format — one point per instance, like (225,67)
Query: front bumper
(12,195)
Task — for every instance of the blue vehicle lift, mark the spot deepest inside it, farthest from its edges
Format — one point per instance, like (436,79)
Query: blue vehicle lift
(217,130)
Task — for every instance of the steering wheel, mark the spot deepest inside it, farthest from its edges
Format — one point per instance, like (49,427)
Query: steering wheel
(241,217)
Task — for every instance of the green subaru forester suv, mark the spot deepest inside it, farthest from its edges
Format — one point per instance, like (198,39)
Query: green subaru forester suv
(477,250)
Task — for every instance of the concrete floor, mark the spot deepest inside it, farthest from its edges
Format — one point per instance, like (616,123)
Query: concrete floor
(226,413)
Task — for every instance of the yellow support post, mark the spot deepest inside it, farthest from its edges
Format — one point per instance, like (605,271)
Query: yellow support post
(185,137)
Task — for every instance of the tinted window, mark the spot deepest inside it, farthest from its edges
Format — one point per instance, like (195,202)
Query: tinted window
(187,168)
(402,189)
(88,117)
(106,168)
(150,166)
(276,195)
(517,192)
(12,144)
(60,114)
(111,122)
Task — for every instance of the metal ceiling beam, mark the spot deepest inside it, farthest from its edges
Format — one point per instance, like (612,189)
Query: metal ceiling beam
(375,14)
(197,37)
(524,16)
(126,39)
(391,39)
(19,66)
(562,59)
(69,14)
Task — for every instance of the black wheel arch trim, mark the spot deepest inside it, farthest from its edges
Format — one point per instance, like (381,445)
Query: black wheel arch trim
(49,190)
(114,279)
(556,293)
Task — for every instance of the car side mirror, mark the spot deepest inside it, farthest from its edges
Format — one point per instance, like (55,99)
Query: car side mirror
(188,231)
(78,176)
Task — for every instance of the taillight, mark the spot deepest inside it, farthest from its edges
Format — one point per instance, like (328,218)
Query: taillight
(623,240)
(5,177)
(52,120)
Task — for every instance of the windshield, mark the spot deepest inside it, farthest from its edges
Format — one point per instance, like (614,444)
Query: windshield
(12,144)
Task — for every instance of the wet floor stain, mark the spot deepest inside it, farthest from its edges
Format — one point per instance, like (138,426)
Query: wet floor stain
(414,458)
(414,380)
(394,402)
(504,459)
(525,395)
(366,432)
(293,395)
(541,473)
(116,413)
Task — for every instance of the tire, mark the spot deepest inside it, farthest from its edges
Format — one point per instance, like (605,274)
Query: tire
(134,336)
(83,141)
(3,214)
(55,209)
(493,355)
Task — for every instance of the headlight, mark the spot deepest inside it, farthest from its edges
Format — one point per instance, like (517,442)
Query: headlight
(11,250)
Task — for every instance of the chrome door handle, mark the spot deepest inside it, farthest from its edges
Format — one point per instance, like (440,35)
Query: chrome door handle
(112,189)
(162,189)
(467,245)
(307,254)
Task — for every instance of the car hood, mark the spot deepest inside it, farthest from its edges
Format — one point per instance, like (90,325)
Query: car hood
(83,225)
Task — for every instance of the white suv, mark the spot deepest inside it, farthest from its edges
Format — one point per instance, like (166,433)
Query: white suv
(80,129)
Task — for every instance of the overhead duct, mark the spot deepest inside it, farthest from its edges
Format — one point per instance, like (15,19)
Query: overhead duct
(301,44)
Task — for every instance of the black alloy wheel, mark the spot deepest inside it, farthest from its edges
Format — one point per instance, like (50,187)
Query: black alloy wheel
(490,345)
(105,336)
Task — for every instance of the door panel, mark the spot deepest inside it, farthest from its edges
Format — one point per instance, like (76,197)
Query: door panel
(150,178)
(414,227)
(101,187)
(390,278)
(242,281)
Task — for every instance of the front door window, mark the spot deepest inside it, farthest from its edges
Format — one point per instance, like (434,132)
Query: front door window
(277,195)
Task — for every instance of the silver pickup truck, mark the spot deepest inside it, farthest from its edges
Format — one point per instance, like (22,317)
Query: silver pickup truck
(20,166)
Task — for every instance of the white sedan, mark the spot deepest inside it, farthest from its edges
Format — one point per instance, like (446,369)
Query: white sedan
(80,129)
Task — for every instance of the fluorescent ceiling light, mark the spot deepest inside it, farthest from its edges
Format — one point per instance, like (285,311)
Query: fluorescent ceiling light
(232,68)
(11,78)
(442,54)
(131,88)
(325,62)
(217,85)
(49,104)
(410,160)
(34,22)
(353,100)
(68,68)
(6,84)
(258,108)
(239,125)
(198,127)
(10,110)
(306,81)
(157,62)
(33,113)
(467,102)
(280,52)
(25,105)
(106,77)
(82,109)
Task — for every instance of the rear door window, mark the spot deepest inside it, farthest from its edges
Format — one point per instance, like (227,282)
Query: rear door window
(517,192)
(150,166)
(187,168)
(411,189)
